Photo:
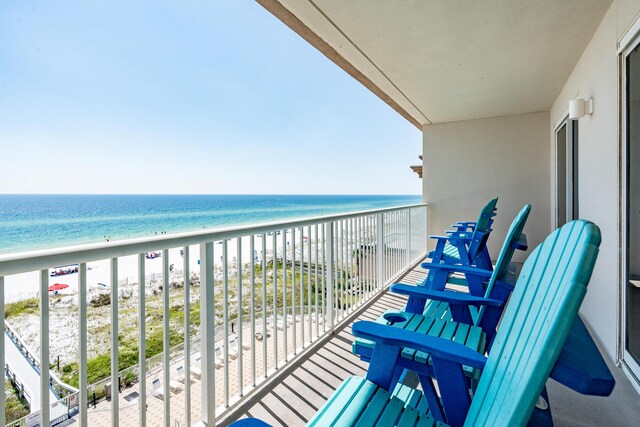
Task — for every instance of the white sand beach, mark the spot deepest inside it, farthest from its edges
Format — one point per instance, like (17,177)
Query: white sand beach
(23,286)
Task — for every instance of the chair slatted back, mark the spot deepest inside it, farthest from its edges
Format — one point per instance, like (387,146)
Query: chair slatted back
(546,299)
(483,225)
(502,269)
(508,248)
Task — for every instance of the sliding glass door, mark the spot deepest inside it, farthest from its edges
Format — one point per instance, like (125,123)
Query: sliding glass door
(632,285)
(567,206)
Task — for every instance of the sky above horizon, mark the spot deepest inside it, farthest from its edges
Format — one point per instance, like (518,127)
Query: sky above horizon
(193,97)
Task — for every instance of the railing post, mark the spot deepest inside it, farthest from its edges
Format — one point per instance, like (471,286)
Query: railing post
(187,335)
(408,258)
(82,340)
(330,278)
(239,318)
(115,396)
(142,341)
(225,318)
(44,348)
(2,364)
(426,229)
(166,345)
(207,328)
(380,249)
(275,299)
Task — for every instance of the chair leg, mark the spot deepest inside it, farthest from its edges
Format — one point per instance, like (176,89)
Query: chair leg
(430,394)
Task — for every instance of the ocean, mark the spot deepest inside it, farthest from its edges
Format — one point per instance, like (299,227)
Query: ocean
(29,222)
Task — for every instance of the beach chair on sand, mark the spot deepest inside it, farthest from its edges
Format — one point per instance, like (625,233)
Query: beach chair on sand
(157,389)
(430,309)
(233,347)
(175,385)
(219,359)
(536,324)
(467,243)
(180,374)
(282,321)
(195,368)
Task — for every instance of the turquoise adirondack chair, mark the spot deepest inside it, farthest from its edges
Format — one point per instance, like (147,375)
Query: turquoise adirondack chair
(535,326)
(455,315)
(467,243)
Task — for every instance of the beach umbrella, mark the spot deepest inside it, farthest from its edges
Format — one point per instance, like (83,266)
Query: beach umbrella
(57,287)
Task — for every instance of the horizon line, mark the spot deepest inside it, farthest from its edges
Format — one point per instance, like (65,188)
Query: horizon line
(203,194)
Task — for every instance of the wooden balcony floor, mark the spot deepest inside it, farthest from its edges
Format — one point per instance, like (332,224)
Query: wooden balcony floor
(303,387)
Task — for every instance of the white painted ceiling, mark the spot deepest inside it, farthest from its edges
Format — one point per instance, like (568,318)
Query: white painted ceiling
(450,60)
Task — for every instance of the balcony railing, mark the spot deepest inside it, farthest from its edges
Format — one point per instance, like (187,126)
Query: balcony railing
(260,296)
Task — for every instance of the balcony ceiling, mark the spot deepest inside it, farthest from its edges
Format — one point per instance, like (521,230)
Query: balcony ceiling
(440,61)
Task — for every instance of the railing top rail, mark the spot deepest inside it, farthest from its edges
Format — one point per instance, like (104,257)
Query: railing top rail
(22,262)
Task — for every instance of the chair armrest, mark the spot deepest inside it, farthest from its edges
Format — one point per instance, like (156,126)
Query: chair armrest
(438,347)
(459,233)
(521,243)
(464,224)
(451,297)
(451,237)
(457,269)
(249,422)
(455,231)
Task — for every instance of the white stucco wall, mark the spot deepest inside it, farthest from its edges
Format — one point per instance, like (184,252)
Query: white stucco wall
(469,162)
(596,76)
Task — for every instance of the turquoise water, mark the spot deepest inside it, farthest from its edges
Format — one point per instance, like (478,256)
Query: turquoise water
(29,222)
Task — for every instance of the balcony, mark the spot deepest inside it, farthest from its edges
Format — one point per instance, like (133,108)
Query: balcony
(279,361)
(293,283)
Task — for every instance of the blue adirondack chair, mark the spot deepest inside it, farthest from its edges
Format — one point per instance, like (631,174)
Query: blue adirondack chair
(536,323)
(433,297)
(476,277)
(467,244)
(438,312)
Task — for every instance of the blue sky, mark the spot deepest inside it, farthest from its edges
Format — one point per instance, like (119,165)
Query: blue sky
(186,97)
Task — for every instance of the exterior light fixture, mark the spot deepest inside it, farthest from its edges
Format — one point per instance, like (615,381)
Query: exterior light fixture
(580,107)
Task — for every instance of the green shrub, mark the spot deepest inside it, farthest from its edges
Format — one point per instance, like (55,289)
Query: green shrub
(15,408)
(28,306)
(100,300)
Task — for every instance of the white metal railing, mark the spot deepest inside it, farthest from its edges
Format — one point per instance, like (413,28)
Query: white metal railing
(266,292)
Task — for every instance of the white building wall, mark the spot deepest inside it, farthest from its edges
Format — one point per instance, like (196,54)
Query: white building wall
(596,76)
(467,163)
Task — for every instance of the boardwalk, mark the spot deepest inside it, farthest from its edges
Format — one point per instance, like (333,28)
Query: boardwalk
(28,375)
